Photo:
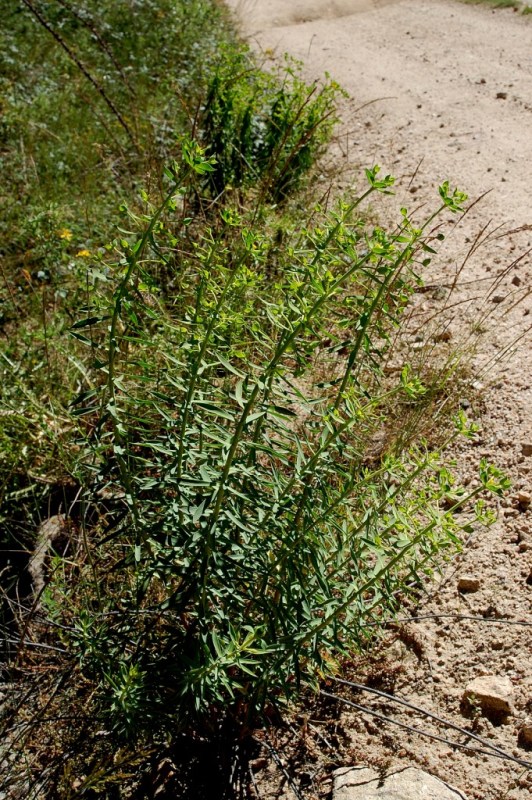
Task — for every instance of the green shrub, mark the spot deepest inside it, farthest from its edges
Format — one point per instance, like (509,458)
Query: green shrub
(253,538)
(263,128)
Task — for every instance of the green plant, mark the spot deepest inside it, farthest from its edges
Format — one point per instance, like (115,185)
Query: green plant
(263,128)
(255,542)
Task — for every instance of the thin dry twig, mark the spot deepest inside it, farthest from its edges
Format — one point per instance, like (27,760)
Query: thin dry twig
(493,752)
(275,755)
(88,23)
(32,8)
(379,693)
(501,621)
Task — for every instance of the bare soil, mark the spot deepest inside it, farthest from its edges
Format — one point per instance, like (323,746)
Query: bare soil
(439,90)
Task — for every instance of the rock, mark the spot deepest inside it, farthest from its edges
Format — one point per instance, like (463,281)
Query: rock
(362,783)
(468,584)
(526,448)
(524,499)
(524,738)
(492,693)
(501,95)
(516,280)
(498,298)
(49,531)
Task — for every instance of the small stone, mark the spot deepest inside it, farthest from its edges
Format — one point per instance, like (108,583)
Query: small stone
(524,737)
(362,783)
(516,280)
(501,95)
(524,499)
(468,584)
(492,693)
(498,298)
(526,448)
(259,763)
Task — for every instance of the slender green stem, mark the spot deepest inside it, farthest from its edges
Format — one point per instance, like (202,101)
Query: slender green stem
(282,347)
(113,350)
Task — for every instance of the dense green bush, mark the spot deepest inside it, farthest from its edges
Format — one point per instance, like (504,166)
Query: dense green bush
(262,128)
(254,538)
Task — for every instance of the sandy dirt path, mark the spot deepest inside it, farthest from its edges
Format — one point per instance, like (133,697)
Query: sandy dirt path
(444,91)
(453,85)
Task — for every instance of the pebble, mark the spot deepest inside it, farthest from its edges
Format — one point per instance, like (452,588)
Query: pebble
(498,298)
(524,738)
(526,448)
(468,584)
(516,280)
(492,693)
(524,498)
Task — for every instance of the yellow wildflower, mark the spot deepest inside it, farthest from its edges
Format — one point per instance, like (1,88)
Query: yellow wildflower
(83,253)
(64,233)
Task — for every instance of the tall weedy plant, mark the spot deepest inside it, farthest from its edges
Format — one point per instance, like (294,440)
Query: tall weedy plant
(253,542)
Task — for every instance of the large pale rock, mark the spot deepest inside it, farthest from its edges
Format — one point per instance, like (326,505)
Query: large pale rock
(492,693)
(361,783)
